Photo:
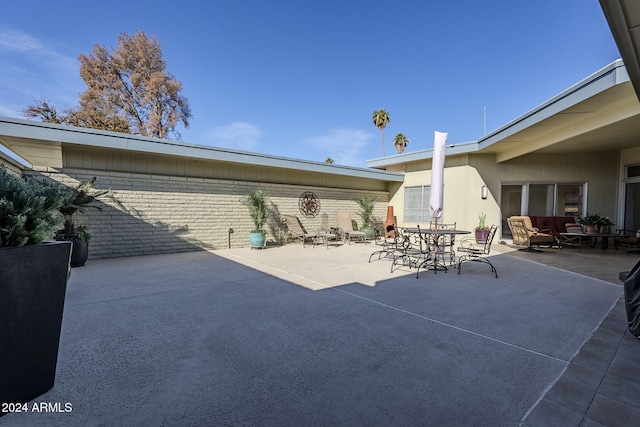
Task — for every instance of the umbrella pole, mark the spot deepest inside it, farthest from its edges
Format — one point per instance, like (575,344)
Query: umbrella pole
(435,248)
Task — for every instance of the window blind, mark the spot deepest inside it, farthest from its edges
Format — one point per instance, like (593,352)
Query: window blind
(416,204)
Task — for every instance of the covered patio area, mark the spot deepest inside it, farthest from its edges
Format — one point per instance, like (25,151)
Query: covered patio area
(294,336)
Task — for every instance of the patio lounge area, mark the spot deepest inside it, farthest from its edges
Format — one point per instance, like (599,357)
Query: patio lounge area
(294,336)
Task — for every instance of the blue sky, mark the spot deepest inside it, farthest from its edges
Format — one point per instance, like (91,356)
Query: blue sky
(301,79)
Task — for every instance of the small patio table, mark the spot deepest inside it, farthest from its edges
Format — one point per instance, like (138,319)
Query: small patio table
(576,239)
(325,237)
(434,262)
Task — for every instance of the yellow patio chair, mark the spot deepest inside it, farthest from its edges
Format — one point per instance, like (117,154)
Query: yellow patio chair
(524,234)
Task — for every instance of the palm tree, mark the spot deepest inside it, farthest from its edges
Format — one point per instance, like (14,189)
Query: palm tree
(400,142)
(380,120)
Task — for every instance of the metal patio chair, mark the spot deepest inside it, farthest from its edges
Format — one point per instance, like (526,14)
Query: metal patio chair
(477,252)
(390,244)
(413,249)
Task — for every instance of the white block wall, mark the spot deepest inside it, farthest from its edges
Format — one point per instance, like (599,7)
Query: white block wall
(153,214)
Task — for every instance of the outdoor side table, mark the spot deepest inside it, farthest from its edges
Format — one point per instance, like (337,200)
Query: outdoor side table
(326,237)
(576,239)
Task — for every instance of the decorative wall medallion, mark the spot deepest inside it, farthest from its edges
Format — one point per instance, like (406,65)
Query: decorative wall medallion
(309,204)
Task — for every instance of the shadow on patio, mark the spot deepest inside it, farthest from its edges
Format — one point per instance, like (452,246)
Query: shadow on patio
(224,338)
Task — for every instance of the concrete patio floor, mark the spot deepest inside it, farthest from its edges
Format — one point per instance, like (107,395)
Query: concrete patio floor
(292,336)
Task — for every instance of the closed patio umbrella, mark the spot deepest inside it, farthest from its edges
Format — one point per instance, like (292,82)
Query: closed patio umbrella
(437,175)
(437,185)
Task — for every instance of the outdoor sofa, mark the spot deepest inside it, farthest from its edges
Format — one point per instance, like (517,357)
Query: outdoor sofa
(553,225)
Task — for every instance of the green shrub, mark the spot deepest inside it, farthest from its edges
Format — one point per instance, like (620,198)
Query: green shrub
(78,234)
(29,210)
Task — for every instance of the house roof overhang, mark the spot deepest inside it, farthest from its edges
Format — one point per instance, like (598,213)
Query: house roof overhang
(623,17)
(35,141)
(600,113)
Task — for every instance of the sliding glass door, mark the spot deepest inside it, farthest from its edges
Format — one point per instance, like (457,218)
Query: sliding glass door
(540,199)
(632,199)
(511,204)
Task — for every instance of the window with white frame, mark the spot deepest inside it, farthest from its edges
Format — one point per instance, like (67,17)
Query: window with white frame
(416,204)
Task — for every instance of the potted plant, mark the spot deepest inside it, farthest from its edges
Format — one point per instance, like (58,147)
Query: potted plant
(258,204)
(77,200)
(591,221)
(605,225)
(482,231)
(33,282)
(366,211)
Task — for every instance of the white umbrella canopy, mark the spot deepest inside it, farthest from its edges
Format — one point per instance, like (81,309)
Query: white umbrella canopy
(437,175)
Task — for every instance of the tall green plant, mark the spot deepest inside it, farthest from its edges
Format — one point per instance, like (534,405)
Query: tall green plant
(258,204)
(29,210)
(77,200)
(366,209)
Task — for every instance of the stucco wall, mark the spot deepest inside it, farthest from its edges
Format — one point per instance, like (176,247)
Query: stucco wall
(152,214)
(598,170)
(465,175)
(462,198)
(629,157)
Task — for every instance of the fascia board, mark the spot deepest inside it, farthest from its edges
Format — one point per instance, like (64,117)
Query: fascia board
(13,158)
(623,18)
(256,159)
(606,78)
(416,156)
(102,139)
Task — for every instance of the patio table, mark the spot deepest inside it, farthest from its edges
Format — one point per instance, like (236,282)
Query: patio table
(576,239)
(433,260)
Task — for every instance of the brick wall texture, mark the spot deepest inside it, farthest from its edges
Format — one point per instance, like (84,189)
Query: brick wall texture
(154,214)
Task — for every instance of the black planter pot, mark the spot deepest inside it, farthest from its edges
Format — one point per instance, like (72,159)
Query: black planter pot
(79,254)
(33,282)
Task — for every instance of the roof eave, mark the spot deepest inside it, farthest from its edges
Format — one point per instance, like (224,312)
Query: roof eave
(111,140)
(603,79)
(623,18)
(415,156)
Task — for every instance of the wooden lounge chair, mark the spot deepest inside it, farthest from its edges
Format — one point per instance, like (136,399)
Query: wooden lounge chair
(346,227)
(297,231)
(473,251)
(524,234)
